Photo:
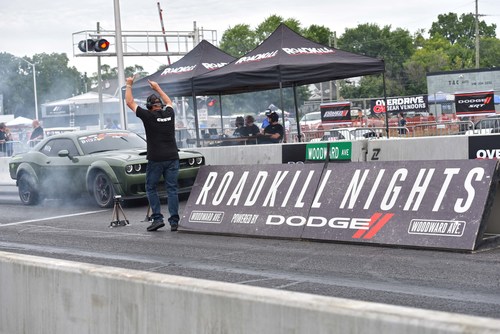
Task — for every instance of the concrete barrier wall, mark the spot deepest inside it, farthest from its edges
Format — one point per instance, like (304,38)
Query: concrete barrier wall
(424,148)
(40,295)
(242,154)
(397,149)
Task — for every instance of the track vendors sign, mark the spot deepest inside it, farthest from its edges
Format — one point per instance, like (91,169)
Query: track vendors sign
(433,204)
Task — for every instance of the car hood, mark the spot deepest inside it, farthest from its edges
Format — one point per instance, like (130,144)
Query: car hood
(126,155)
(138,154)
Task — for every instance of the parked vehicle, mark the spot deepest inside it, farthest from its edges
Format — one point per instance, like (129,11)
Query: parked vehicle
(490,124)
(58,130)
(102,163)
(348,133)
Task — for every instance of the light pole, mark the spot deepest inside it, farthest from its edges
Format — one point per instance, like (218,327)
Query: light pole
(34,86)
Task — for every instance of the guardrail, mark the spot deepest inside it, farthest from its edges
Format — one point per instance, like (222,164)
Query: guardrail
(9,148)
(412,130)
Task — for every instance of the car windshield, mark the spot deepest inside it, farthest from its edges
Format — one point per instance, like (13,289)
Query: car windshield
(110,141)
(311,117)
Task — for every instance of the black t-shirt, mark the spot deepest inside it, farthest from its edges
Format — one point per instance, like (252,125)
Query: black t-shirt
(160,133)
(37,132)
(272,129)
(252,130)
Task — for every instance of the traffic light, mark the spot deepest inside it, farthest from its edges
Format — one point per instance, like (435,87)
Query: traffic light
(89,45)
(101,45)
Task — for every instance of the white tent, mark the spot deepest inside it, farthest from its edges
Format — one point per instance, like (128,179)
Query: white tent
(87,98)
(20,121)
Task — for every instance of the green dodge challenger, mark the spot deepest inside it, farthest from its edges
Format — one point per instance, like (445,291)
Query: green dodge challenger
(102,163)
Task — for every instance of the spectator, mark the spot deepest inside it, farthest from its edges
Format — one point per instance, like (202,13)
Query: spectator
(402,124)
(266,122)
(240,123)
(274,132)
(36,134)
(3,138)
(250,128)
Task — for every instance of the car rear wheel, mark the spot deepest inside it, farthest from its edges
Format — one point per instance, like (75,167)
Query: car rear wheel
(102,190)
(28,192)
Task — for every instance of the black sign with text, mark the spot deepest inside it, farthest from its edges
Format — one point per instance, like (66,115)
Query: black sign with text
(404,104)
(336,112)
(474,104)
(484,147)
(429,204)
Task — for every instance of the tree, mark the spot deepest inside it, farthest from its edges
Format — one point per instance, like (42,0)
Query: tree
(394,46)
(270,24)
(430,58)
(108,73)
(489,52)
(461,30)
(238,40)
(55,80)
(319,34)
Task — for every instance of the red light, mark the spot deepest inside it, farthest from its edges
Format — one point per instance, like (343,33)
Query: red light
(212,102)
(102,45)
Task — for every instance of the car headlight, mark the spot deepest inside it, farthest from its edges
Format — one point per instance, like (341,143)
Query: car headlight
(199,160)
(131,169)
(191,161)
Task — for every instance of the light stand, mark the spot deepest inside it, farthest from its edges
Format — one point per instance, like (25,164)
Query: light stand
(115,219)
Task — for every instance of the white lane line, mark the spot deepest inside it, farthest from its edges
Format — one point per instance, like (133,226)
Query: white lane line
(50,218)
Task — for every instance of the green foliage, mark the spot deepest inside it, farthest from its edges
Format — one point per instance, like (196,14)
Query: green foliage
(108,73)
(319,34)
(394,46)
(54,79)
(270,24)
(238,40)
(489,51)
(461,30)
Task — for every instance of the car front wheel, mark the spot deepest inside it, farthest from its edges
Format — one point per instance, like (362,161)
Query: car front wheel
(102,190)
(28,192)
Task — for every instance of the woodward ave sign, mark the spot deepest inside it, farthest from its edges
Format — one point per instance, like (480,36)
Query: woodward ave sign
(432,204)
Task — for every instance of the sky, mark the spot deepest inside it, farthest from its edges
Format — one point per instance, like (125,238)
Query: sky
(33,26)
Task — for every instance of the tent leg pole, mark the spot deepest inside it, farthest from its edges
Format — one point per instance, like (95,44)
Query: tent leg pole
(299,135)
(195,112)
(385,103)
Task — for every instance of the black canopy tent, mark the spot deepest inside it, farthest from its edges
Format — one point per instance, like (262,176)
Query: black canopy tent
(177,79)
(285,59)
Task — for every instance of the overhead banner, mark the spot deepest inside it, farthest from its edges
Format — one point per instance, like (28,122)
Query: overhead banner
(474,104)
(429,204)
(336,112)
(417,104)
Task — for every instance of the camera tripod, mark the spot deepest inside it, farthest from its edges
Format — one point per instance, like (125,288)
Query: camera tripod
(115,219)
(148,217)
